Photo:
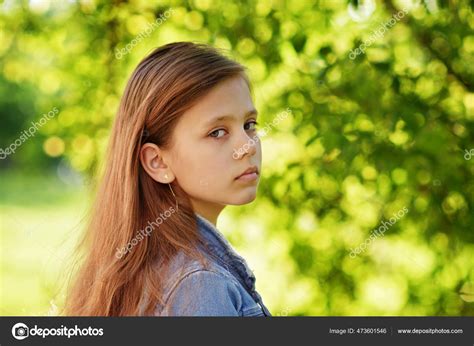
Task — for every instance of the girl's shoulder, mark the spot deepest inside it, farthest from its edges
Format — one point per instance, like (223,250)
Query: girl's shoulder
(183,266)
(197,288)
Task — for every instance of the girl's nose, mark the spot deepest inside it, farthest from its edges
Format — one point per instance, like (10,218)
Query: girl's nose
(245,146)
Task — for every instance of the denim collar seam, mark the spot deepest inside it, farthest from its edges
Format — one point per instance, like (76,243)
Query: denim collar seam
(224,250)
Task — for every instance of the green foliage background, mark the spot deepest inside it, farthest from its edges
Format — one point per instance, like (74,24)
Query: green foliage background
(366,137)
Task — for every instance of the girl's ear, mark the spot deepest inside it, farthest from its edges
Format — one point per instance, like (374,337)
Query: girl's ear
(151,158)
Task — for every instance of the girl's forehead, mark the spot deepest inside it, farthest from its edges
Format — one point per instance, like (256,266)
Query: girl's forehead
(229,98)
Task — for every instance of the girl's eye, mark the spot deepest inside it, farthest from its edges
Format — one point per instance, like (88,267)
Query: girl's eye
(217,133)
(250,125)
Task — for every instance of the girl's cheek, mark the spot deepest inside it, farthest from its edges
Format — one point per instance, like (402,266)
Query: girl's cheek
(203,183)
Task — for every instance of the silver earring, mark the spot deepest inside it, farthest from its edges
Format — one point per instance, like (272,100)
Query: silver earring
(172,192)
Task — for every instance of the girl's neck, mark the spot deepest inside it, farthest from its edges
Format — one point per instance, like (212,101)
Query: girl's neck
(209,211)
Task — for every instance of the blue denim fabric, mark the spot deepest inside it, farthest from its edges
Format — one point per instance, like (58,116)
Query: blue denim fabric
(225,288)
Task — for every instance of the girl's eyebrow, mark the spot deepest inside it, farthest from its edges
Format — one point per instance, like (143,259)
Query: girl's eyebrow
(230,117)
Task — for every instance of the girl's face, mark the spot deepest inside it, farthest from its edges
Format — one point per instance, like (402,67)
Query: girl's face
(213,144)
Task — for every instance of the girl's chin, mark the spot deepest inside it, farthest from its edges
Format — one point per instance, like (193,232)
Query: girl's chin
(244,198)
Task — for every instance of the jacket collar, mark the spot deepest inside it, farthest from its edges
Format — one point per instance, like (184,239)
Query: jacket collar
(223,250)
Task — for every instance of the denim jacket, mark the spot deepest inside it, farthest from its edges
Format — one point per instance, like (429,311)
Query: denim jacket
(226,288)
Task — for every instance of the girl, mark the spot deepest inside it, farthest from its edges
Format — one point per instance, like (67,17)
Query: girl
(183,146)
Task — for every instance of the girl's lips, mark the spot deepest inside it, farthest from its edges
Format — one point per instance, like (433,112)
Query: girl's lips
(248,177)
(250,170)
